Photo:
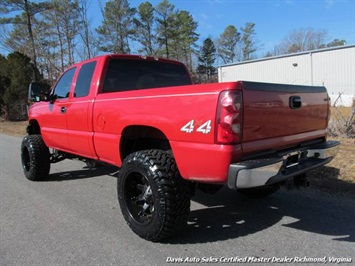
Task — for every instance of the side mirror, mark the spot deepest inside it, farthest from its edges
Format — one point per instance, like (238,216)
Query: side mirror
(36,93)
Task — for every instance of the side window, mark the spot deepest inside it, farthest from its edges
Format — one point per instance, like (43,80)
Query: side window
(62,88)
(83,81)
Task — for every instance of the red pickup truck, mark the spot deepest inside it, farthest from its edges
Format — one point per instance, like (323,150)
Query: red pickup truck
(169,136)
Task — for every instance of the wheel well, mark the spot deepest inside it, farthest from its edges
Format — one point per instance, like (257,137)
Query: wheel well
(33,128)
(137,138)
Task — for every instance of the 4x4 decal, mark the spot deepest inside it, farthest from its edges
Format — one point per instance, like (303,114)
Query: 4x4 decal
(205,128)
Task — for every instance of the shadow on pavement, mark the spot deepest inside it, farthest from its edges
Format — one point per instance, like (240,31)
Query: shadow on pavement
(86,172)
(326,178)
(228,215)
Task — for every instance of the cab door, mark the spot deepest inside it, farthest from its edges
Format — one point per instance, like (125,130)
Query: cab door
(54,129)
(79,112)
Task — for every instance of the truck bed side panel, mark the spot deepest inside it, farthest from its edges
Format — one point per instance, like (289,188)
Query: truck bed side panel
(177,112)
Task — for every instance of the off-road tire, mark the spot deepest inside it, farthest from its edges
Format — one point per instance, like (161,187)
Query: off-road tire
(154,199)
(35,158)
(259,192)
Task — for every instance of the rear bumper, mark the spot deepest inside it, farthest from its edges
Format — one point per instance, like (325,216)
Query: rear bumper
(272,170)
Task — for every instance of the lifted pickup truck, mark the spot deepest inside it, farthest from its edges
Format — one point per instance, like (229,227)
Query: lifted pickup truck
(169,136)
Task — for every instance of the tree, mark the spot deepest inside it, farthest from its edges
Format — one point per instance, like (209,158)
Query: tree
(227,45)
(117,27)
(68,12)
(184,40)
(54,29)
(336,42)
(165,18)
(145,32)
(4,33)
(302,40)
(206,61)
(268,54)
(4,80)
(86,33)
(61,26)
(29,10)
(18,73)
(248,40)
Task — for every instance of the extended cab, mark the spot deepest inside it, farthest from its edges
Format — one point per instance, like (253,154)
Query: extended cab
(169,136)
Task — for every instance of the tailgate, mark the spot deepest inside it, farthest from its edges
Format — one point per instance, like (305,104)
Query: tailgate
(277,110)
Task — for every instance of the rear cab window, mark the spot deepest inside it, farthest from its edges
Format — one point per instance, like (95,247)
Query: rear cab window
(84,79)
(133,74)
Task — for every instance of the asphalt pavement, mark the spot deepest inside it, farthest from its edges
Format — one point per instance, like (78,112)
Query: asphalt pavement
(73,218)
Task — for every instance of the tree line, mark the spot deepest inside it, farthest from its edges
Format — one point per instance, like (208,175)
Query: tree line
(54,34)
(57,33)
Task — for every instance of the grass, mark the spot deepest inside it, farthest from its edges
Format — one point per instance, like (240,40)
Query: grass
(13,128)
(337,177)
(342,122)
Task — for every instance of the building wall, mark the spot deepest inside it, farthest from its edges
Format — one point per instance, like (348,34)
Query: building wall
(333,68)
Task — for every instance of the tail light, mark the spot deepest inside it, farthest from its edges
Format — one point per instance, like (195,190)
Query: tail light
(229,117)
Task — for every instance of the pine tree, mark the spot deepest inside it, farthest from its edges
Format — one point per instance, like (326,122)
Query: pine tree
(336,42)
(184,40)
(62,26)
(4,80)
(228,44)
(86,33)
(206,61)
(23,21)
(145,31)
(117,27)
(248,41)
(18,72)
(166,31)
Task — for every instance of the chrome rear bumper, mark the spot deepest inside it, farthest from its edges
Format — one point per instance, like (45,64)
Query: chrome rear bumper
(271,170)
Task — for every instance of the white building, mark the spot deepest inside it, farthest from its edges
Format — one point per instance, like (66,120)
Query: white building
(333,68)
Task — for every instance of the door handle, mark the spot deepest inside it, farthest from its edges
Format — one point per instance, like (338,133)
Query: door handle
(63,110)
(295,102)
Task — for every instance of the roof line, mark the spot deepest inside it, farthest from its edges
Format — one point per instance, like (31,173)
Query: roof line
(290,55)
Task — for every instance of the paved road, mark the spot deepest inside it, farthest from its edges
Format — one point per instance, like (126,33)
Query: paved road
(74,218)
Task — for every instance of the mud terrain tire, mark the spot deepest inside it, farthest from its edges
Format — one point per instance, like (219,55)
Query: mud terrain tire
(35,158)
(154,199)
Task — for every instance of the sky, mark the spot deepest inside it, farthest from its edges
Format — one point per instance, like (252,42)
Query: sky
(274,19)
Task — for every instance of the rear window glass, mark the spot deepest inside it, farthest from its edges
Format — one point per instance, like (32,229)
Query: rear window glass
(125,74)
(83,82)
